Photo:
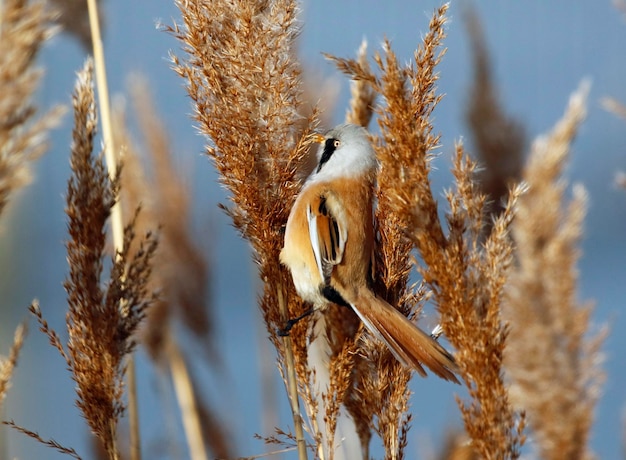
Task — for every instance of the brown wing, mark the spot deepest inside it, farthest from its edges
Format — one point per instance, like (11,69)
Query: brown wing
(328,233)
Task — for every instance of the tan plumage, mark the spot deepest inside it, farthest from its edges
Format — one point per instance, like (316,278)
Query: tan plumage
(328,246)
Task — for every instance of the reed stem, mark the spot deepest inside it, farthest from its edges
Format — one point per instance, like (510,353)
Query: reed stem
(187,402)
(117,225)
(292,386)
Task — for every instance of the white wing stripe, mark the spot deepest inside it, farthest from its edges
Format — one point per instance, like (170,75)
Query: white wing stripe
(314,237)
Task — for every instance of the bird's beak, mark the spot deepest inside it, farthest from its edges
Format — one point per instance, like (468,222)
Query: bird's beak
(318,138)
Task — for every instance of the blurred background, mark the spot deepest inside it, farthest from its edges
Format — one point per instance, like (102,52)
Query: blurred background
(540,51)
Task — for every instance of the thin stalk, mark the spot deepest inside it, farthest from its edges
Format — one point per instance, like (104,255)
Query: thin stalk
(117,224)
(187,402)
(133,415)
(292,386)
(112,448)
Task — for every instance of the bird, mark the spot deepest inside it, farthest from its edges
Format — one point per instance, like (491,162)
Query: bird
(329,242)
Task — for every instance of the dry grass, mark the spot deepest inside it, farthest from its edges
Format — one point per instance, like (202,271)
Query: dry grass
(381,388)
(100,320)
(559,390)
(251,117)
(457,447)
(504,283)
(498,139)
(47,442)
(257,139)
(361,107)
(465,278)
(72,16)
(24,27)
(7,365)
(152,182)
(464,272)
(614,106)
(181,271)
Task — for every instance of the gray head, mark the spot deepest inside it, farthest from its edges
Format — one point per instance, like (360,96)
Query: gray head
(345,151)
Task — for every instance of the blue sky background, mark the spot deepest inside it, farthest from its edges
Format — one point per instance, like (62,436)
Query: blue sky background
(540,53)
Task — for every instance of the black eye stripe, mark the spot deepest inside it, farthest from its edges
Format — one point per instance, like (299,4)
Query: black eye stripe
(329,148)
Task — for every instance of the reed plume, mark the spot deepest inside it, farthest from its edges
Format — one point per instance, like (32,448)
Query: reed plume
(101,320)
(24,27)
(361,108)
(553,360)
(181,271)
(249,117)
(246,91)
(7,365)
(457,446)
(498,139)
(72,16)
(465,269)
(381,396)
(499,266)
(465,280)
(614,106)
(47,442)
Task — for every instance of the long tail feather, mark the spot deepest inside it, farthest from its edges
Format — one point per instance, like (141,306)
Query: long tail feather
(409,344)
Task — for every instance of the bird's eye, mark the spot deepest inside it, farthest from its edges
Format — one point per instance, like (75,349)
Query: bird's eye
(330,146)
